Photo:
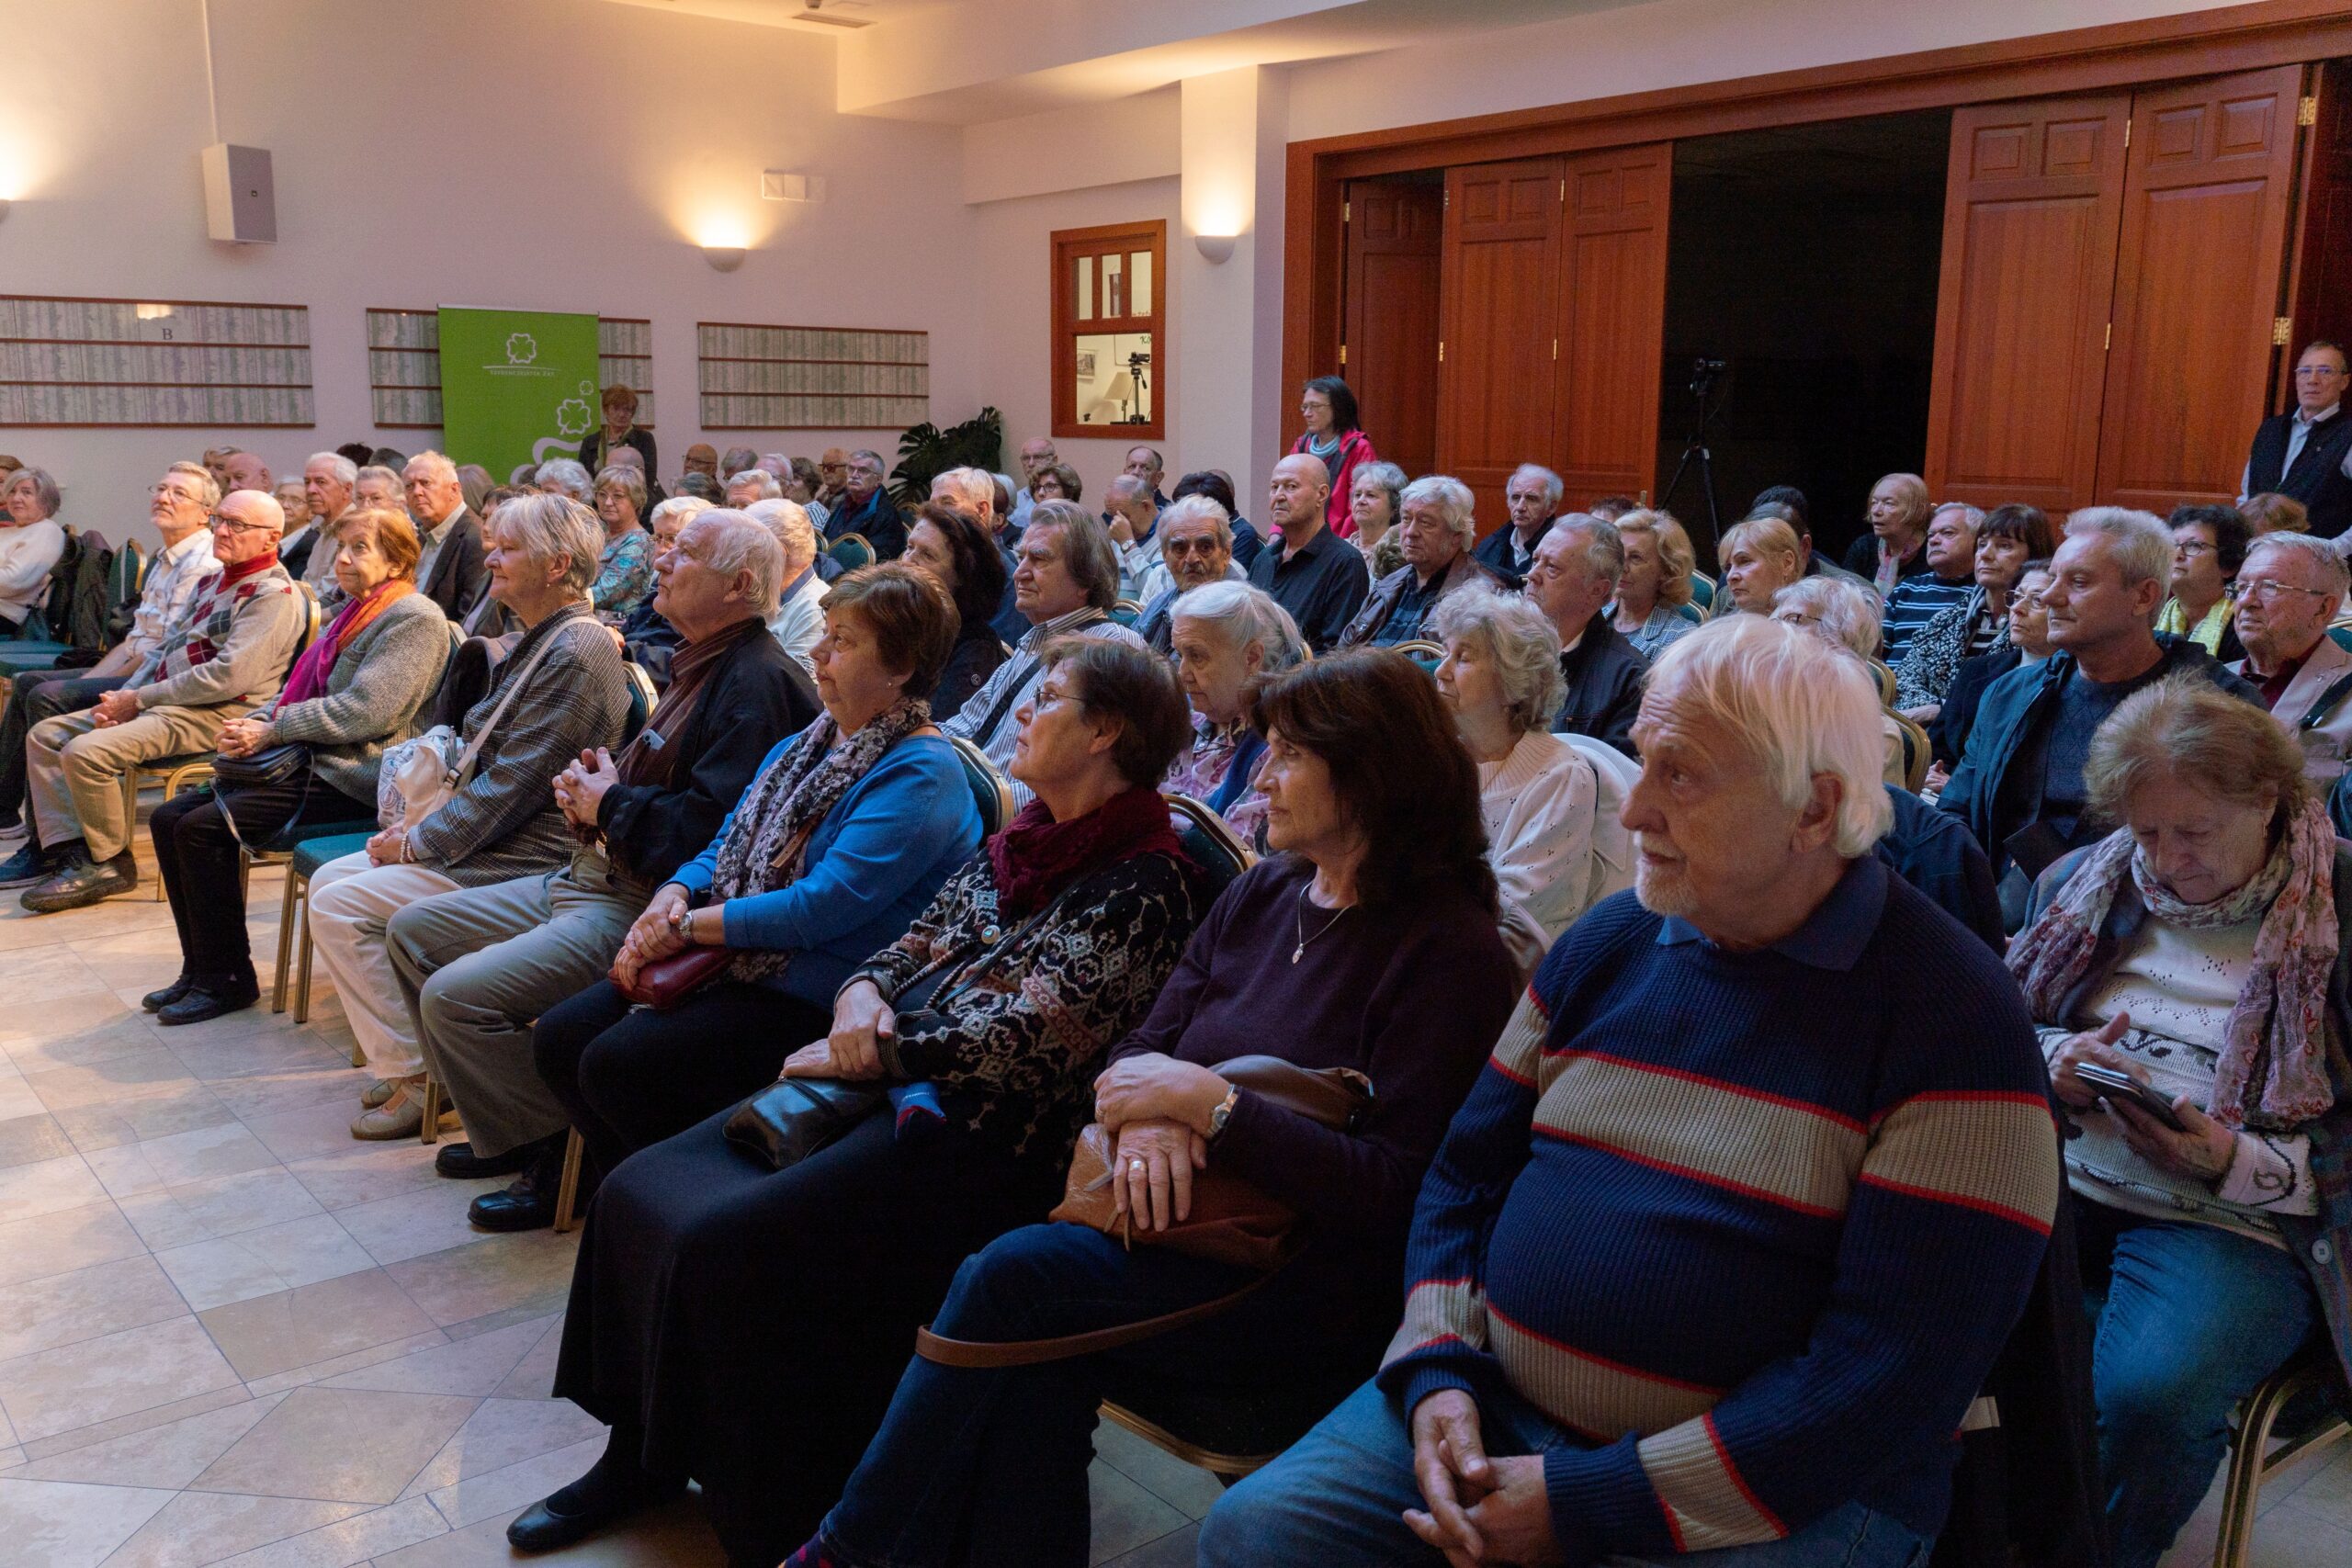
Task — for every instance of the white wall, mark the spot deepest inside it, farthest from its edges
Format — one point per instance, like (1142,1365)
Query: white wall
(532,153)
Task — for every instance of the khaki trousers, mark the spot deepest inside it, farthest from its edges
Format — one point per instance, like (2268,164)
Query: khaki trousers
(74,770)
(351,902)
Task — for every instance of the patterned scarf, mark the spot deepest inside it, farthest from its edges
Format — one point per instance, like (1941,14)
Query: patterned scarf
(310,674)
(785,806)
(1035,857)
(2272,1073)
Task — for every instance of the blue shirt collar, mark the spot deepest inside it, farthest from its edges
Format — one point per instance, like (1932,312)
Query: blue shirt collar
(1834,935)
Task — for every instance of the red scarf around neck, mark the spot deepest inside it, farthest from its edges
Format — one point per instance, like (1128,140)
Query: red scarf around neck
(1035,857)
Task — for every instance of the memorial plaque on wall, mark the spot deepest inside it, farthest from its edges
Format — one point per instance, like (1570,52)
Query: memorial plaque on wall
(778,378)
(128,363)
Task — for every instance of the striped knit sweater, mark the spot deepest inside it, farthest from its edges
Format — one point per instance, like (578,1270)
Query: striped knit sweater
(1755,1225)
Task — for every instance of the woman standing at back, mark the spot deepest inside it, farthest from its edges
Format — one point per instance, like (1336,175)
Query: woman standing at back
(1335,434)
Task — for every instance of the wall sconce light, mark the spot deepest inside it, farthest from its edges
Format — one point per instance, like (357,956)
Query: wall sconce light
(1218,249)
(724,258)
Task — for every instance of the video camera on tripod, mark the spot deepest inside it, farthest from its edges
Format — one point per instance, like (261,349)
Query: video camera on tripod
(1706,376)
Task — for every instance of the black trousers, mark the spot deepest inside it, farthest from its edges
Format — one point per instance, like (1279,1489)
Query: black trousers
(34,695)
(198,861)
(630,1079)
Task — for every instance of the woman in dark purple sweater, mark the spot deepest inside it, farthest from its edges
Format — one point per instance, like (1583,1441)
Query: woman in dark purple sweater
(1370,943)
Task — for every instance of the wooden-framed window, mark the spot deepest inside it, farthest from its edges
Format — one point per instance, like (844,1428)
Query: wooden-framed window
(1109,354)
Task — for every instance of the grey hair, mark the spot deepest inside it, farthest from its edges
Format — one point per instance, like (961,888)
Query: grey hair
(1553,488)
(1388,476)
(1800,706)
(736,460)
(788,521)
(437,462)
(1087,548)
(1604,551)
(1846,613)
(1125,486)
(871,456)
(1246,615)
(626,480)
(208,489)
(1971,515)
(1521,641)
(345,472)
(975,489)
(545,526)
(746,544)
(756,478)
(1199,508)
(568,477)
(783,464)
(690,506)
(44,489)
(376,471)
(2140,542)
(2333,571)
(1453,501)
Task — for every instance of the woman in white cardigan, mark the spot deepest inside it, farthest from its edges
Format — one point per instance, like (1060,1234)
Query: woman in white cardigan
(29,542)
(1501,677)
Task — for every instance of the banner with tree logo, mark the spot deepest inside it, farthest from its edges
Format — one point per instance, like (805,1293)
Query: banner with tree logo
(516,385)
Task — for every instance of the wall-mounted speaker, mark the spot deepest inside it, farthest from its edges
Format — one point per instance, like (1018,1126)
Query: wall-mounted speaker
(240,201)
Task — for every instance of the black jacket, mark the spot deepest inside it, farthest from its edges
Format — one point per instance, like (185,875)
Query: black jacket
(1948,735)
(2316,480)
(1604,673)
(459,576)
(754,699)
(1494,552)
(296,559)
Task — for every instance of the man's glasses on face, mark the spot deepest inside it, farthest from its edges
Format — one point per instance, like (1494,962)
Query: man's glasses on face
(2269,588)
(221,520)
(1202,548)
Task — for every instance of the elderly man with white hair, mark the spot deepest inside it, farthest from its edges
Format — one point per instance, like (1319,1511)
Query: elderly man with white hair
(1727,1237)
(1224,636)
(747,487)
(1133,518)
(2019,784)
(1572,578)
(226,655)
(450,572)
(1533,498)
(327,480)
(2290,588)
(1196,547)
(798,621)
(1436,527)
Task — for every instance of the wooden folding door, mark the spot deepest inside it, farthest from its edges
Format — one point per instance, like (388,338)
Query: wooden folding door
(1611,321)
(1389,352)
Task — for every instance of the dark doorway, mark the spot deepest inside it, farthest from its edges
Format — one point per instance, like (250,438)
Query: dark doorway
(1806,259)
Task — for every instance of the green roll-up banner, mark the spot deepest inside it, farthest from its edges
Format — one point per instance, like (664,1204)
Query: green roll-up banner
(516,385)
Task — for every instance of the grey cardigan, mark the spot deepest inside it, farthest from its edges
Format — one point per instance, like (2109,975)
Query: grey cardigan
(387,673)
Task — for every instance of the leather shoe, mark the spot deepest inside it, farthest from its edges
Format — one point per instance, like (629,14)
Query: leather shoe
(458,1162)
(541,1527)
(200,1004)
(529,1203)
(157,1001)
(82,882)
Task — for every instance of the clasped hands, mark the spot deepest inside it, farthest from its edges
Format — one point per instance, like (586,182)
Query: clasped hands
(852,1052)
(1481,1510)
(1157,1110)
(240,736)
(118,707)
(2201,1151)
(580,788)
(653,936)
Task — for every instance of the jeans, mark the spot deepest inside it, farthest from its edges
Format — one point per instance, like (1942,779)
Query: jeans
(34,695)
(1336,1497)
(2186,1319)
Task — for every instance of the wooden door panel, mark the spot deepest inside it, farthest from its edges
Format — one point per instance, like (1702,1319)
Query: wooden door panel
(1611,317)
(2033,204)
(2208,187)
(1394,235)
(1501,266)
(2323,245)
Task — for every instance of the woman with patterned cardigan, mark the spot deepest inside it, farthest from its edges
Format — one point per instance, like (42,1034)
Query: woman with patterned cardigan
(743,1327)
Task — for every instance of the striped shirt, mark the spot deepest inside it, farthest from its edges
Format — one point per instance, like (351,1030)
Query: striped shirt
(1755,1225)
(1915,602)
(985,719)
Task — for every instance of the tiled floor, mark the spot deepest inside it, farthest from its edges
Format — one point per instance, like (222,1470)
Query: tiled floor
(229,1333)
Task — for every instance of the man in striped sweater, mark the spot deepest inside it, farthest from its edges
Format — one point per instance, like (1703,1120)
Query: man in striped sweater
(1727,1238)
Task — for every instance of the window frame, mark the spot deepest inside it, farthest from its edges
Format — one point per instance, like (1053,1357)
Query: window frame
(1107,239)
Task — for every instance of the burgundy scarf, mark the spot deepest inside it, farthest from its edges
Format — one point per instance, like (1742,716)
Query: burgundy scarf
(653,757)
(1035,857)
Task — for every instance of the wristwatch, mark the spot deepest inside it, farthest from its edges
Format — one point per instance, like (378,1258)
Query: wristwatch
(1223,1113)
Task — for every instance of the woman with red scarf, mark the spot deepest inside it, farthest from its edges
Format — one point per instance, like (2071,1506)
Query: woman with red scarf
(743,1326)
(356,688)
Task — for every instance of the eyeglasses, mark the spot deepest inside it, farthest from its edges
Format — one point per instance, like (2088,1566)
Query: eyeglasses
(2267,588)
(2317,372)
(2193,548)
(222,519)
(1046,696)
(1188,547)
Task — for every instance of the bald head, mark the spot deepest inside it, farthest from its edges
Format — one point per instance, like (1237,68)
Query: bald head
(246,524)
(243,470)
(1295,498)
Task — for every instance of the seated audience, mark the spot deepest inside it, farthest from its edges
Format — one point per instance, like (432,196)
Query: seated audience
(1577,569)
(240,469)
(848,830)
(1789,504)
(178,507)
(1218,487)
(2009,538)
(1533,498)
(1132,522)
(224,657)
(31,543)
(625,567)
(559,693)
(1055,482)
(648,639)
(2288,591)
(327,483)
(701,459)
(865,508)
(1311,571)
(751,485)
(1844,613)
(712,1293)
(1037,455)
(1537,794)
(1145,463)
(802,485)
(1372,506)
(1196,541)
(1895,547)
(372,484)
(2207,547)
(1227,636)
(358,687)
(1729,1285)
(971,491)
(2271,512)
(2029,643)
(959,551)
(1066,584)
(301,531)
(477,965)
(1948,584)
(1437,528)
(700,487)
(1321,955)
(799,617)
(736,459)
(1653,590)
(1760,557)
(449,569)
(2200,949)
(2020,785)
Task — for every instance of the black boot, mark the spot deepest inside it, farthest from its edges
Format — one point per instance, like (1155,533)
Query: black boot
(211,998)
(529,1203)
(460,1162)
(157,1001)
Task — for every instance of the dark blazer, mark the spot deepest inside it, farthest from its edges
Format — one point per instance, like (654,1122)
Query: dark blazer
(759,696)
(1604,673)
(2317,477)
(459,576)
(296,559)
(877,521)
(974,659)
(1494,551)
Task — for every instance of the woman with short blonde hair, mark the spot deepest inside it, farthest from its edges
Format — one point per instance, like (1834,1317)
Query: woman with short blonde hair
(1655,583)
(1759,556)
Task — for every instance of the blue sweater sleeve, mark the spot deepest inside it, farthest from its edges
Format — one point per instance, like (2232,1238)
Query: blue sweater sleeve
(697,875)
(902,819)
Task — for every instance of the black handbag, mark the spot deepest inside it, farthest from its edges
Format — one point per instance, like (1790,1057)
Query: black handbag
(265,769)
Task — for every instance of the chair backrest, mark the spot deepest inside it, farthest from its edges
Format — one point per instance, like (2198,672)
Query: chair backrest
(1692,614)
(1423,652)
(1702,592)
(641,699)
(1612,846)
(1126,611)
(1917,752)
(1210,840)
(852,550)
(990,791)
(1886,679)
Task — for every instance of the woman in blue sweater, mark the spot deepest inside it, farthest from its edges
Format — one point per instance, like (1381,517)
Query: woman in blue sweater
(844,835)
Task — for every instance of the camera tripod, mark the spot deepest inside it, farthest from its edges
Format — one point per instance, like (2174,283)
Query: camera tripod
(1705,375)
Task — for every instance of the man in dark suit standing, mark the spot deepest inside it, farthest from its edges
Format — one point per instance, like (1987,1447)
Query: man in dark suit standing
(2307,453)
(1534,497)
(449,572)
(868,510)
(1572,580)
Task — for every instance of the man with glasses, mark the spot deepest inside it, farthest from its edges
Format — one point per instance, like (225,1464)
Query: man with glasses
(178,505)
(2288,591)
(223,659)
(2307,453)
(1196,547)
(868,510)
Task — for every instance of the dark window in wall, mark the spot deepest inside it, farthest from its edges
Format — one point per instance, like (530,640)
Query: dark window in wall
(1807,258)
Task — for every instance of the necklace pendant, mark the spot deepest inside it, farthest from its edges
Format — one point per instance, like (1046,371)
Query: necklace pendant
(1298,952)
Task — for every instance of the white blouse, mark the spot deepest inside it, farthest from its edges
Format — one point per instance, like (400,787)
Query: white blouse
(27,556)
(1538,804)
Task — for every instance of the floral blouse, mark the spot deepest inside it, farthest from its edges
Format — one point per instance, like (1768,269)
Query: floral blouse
(1201,772)
(624,575)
